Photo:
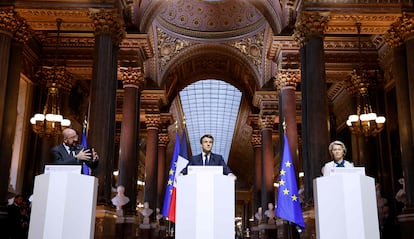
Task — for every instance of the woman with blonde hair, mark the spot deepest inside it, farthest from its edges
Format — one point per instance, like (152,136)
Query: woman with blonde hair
(337,150)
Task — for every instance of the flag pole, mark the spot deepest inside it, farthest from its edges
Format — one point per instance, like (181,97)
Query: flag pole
(289,230)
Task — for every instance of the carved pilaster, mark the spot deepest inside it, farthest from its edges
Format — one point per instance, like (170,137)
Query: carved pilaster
(287,79)
(267,121)
(108,22)
(14,25)
(267,102)
(163,139)
(256,139)
(310,24)
(400,31)
(152,120)
(23,32)
(133,77)
(8,21)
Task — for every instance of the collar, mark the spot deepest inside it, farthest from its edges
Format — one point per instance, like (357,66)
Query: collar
(341,164)
(66,147)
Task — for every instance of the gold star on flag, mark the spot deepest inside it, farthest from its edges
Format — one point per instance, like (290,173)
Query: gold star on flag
(287,164)
(294,198)
(282,182)
(282,172)
(285,191)
(171,172)
(169,182)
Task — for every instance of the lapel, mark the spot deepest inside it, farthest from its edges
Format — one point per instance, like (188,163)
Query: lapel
(211,159)
(64,153)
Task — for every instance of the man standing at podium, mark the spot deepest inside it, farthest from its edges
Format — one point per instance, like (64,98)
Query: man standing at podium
(337,150)
(70,152)
(208,158)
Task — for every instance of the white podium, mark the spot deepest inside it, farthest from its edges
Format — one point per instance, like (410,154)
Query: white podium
(63,206)
(205,205)
(346,206)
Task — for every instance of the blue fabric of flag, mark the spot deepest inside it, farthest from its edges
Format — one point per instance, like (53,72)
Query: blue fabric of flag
(288,203)
(171,176)
(85,168)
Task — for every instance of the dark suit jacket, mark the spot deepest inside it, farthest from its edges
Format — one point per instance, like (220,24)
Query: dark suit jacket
(61,156)
(215,160)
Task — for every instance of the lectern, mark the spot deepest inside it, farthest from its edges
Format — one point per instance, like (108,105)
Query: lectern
(346,205)
(63,206)
(205,204)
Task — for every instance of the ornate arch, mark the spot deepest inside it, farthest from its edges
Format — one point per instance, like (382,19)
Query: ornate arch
(210,61)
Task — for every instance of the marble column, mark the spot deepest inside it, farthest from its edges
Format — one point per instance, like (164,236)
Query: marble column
(397,37)
(133,82)
(268,192)
(286,81)
(309,33)
(108,34)
(101,135)
(150,193)
(163,141)
(7,29)
(256,141)
(14,33)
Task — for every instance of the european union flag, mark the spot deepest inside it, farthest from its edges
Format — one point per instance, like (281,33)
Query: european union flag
(288,204)
(85,168)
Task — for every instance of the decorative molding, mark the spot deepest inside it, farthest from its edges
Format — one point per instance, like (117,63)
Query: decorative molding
(252,47)
(132,77)
(108,22)
(310,24)
(152,120)
(287,78)
(400,31)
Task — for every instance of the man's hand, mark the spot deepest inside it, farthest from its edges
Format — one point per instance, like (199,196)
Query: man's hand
(232,175)
(84,154)
(95,156)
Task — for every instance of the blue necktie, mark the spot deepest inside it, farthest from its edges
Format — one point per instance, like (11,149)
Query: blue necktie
(206,160)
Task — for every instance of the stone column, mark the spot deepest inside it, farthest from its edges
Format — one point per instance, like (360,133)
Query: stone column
(14,33)
(268,192)
(400,38)
(101,135)
(285,82)
(256,141)
(133,81)
(108,34)
(150,195)
(8,27)
(163,141)
(309,33)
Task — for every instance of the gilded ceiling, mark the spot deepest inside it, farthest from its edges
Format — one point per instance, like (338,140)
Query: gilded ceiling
(211,20)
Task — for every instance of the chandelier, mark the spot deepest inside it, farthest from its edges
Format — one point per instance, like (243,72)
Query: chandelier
(365,121)
(51,122)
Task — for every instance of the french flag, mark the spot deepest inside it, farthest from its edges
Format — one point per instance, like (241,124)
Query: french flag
(178,163)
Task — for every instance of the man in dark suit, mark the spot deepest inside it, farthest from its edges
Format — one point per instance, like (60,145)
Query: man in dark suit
(70,152)
(208,158)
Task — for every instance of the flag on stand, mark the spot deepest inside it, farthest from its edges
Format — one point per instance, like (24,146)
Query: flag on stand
(288,203)
(85,168)
(182,162)
(179,162)
(171,177)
